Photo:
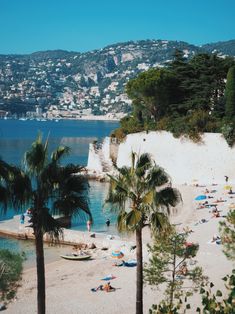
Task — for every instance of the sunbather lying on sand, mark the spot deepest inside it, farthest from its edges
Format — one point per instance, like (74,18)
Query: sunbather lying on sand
(215,214)
(107,287)
(187,230)
(127,264)
(202,221)
(215,239)
(183,270)
(220,200)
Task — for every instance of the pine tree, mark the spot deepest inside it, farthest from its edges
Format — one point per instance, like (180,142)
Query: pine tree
(168,264)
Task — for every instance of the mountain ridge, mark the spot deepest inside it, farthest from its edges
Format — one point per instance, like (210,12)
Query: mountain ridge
(217,43)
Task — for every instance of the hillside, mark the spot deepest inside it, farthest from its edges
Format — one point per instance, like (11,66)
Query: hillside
(86,82)
(221,48)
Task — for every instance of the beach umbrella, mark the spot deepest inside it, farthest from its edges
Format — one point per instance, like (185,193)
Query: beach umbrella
(117,254)
(228,187)
(200,197)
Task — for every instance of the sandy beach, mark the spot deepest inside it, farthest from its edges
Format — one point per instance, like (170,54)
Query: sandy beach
(69,283)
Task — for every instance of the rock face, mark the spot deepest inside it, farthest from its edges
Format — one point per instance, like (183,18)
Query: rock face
(99,160)
(86,82)
(187,162)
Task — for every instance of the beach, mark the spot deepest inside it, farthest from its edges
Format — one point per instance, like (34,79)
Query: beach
(69,283)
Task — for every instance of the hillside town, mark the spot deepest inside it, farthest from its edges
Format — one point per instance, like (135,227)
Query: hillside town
(63,84)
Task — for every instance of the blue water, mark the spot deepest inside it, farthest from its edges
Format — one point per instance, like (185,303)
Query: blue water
(16,137)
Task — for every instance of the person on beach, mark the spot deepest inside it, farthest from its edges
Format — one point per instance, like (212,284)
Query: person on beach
(226,179)
(101,288)
(107,287)
(22,219)
(215,214)
(108,222)
(88,224)
(183,270)
(120,264)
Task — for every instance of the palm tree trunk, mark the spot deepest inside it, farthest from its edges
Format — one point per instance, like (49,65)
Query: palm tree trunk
(40,272)
(139,272)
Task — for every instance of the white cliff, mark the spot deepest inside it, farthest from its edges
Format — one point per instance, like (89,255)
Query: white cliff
(185,161)
(99,160)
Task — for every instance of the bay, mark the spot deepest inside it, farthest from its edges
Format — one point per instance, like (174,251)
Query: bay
(16,137)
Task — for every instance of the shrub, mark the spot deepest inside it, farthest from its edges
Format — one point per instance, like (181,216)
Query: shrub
(228,131)
(11,265)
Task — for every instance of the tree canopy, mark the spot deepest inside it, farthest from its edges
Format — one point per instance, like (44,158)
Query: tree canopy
(186,97)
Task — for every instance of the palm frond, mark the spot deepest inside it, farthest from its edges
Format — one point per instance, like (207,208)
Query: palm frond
(59,153)
(159,222)
(20,188)
(46,143)
(36,158)
(133,160)
(157,177)
(121,221)
(148,197)
(51,226)
(4,170)
(167,197)
(71,205)
(133,219)
(143,163)
(117,199)
(4,199)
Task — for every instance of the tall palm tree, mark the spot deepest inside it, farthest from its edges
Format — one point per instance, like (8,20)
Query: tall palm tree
(142,195)
(49,189)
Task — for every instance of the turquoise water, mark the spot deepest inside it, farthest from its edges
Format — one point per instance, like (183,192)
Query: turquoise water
(16,137)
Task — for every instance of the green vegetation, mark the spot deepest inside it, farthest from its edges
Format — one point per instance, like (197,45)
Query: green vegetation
(229,125)
(186,98)
(216,303)
(169,263)
(49,189)
(228,235)
(168,254)
(133,194)
(10,273)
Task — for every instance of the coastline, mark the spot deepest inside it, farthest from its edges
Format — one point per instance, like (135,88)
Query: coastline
(65,116)
(72,281)
(83,118)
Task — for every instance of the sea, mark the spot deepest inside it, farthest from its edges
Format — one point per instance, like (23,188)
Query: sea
(16,137)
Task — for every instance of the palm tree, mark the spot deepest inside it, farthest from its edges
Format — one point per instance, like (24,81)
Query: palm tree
(14,186)
(142,196)
(49,189)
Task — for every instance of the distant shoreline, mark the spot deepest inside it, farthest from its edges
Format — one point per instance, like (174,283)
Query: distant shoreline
(94,118)
(83,118)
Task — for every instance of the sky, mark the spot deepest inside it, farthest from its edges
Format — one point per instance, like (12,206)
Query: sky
(81,25)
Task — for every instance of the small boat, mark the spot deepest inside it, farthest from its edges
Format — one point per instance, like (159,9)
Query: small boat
(76,257)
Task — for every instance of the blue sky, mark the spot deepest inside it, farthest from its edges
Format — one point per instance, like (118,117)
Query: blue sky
(32,25)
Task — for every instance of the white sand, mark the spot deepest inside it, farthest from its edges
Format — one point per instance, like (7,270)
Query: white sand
(69,283)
